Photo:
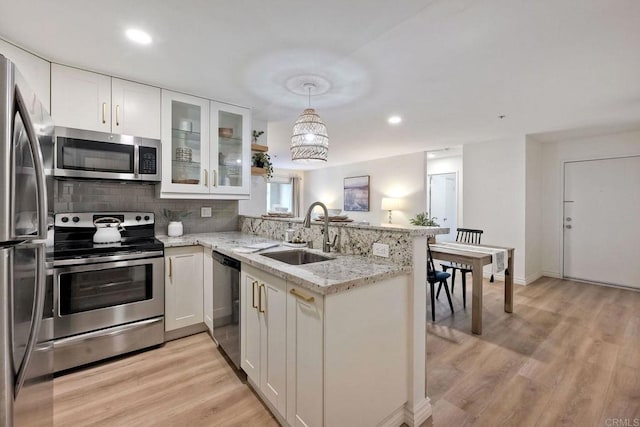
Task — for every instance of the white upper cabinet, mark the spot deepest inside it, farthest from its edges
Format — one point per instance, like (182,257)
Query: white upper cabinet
(231,159)
(135,109)
(85,100)
(206,148)
(35,70)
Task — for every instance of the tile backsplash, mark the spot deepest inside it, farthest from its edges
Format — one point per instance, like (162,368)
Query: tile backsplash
(106,196)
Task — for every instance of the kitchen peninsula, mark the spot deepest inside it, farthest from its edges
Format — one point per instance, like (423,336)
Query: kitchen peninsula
(335,342)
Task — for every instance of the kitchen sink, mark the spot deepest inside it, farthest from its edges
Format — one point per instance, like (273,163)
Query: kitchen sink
(297,257)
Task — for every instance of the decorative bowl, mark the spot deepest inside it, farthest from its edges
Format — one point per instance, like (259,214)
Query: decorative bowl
(334,212)
(225,132)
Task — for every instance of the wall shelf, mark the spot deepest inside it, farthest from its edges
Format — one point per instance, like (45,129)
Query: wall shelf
(258,147)
(258,171)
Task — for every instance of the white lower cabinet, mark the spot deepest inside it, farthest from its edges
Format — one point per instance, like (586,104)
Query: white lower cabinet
(183,287)
(305,357)
(264,339)
(207,288)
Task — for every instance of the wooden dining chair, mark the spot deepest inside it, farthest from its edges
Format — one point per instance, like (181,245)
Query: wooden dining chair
(434,276)
(465,235)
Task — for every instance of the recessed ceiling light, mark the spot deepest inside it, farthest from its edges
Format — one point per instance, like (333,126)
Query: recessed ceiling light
(138,36)
(394,120)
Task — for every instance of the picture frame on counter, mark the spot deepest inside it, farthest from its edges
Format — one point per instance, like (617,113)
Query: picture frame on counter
(356,193)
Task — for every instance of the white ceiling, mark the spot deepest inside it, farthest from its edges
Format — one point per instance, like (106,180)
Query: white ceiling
(448,67)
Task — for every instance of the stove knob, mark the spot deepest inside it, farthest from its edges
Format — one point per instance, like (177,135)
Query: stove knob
(65,219)
(146,217)
(75,219)
(138,218)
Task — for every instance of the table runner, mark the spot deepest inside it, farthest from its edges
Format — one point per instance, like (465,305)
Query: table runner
(499,257)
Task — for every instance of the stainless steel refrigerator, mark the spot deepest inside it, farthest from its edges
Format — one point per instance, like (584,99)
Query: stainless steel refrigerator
(26,350)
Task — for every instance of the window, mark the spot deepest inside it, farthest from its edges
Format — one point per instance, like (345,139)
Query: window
(281,195)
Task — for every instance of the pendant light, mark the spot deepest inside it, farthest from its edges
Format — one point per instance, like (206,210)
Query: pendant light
(309,140)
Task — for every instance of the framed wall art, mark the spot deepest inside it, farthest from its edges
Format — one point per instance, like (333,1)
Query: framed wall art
(356,194)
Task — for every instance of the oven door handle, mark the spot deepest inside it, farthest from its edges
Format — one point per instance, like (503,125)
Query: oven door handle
(67,342)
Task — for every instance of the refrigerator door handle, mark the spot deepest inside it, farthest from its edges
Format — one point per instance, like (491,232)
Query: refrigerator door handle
(38,166)
(36,320)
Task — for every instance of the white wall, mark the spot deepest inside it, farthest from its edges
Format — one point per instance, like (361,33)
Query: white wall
(533,210)
(494,195)
(554,153)
(399,176)
(448,165)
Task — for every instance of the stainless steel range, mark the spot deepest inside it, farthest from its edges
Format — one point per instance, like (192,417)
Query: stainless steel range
(108,298)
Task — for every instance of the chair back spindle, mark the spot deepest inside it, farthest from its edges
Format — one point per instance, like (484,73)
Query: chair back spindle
(469,235)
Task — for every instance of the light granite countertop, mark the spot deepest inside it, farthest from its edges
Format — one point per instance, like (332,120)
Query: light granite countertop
(411,230)
(341,273)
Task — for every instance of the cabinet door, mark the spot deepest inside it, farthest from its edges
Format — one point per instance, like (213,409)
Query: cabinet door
(207,288)
(183,287)
(185,144)
(80,99)
(305,352)
(272,302)
(230,149)
(250,328)
(36,71)
(135,109)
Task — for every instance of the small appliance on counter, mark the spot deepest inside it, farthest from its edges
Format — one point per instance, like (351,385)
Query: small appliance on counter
(108,298)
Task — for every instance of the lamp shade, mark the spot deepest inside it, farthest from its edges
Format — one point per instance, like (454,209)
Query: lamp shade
(391,204)
(309,139)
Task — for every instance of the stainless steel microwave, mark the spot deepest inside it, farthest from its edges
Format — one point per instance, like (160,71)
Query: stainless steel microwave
(97,155)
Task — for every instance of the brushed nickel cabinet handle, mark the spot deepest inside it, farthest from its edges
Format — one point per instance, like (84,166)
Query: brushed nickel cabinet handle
(104,112)
(117,115)
(170,267)
(253,293)
(303,297)
(206,178)
(214,174)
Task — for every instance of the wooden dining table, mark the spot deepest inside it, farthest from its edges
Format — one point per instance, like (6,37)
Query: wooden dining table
(477,260)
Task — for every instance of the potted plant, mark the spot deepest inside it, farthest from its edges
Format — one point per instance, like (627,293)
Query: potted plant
(175,218)
(255,134)
(424,220)
(263,161)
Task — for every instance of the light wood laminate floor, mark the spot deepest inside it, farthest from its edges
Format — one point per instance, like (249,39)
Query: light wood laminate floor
(568,355)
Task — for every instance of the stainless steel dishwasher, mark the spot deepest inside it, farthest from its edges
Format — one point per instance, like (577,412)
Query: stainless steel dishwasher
(226,305)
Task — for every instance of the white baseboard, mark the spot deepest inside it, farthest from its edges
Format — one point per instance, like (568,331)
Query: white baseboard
(553,274)
(395,419)
(421,413)
(500,276)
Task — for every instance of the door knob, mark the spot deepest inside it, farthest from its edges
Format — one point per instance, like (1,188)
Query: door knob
(568,219)
(568,226)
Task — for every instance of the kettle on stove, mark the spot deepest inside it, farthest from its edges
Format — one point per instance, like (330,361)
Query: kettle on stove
(107,230)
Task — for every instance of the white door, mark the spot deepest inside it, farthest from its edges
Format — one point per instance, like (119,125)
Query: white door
(601,212)
(273,301)
(183,287)
(135,109)
(80,99)
(250,328)
(443,203)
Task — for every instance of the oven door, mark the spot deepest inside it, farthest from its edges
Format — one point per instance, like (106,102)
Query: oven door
(94,296)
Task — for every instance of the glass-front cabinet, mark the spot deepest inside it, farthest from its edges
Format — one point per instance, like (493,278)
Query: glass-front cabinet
(206,148)
(232,157)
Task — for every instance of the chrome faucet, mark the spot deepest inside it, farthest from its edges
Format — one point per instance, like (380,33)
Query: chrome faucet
(326,242)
